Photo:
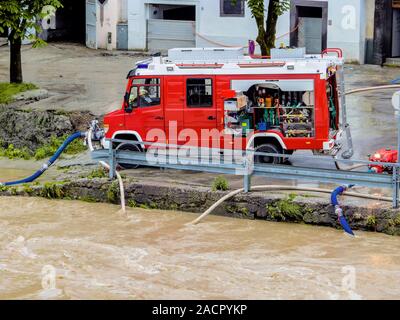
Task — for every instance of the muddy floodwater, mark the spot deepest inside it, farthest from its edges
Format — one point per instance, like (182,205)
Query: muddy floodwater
(76,250)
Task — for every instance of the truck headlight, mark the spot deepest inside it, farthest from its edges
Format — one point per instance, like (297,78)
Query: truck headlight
(106,128)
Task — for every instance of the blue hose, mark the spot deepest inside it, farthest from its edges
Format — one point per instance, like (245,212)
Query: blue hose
(338,210)
(45,166)
(395,81)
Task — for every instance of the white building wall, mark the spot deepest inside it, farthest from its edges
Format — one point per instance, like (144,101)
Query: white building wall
(346,25)
(112,15)
(347,28)
(123,11)
(231,31)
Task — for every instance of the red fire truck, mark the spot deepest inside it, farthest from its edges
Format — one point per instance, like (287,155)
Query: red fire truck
(289,102)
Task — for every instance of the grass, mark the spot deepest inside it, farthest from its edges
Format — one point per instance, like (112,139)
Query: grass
(45,151)
(8,90)
(97,173)
(220,184)
(14,153)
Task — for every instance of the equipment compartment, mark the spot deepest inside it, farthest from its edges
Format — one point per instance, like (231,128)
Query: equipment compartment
(290,112)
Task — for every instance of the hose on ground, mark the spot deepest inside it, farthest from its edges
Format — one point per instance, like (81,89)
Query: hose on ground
(285,188)
(357,166)
(108,168)
(49,163)
(391,86)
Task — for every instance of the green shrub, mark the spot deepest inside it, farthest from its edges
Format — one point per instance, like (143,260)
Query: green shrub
(371,222)
(49,149)
(285,209)
(97,173)
(113,192)
(220,184)
(13,153)
(52,190)
(132,203)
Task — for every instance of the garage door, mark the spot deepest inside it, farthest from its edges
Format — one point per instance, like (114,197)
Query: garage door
(168,34)
(310,34)
(91,22)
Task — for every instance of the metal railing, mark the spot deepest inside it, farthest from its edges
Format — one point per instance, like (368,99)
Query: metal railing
(238,162)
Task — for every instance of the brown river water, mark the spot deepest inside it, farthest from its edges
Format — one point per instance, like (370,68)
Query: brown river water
(74,250)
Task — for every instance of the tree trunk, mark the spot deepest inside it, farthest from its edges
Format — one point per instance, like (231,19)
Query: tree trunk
(272,20)
(15,60)
(261,36)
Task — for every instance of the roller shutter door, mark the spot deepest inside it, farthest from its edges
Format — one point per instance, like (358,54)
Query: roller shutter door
(168,34)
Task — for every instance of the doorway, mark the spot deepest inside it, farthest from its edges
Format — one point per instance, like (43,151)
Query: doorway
(396,34)
(70,23)
(309,19)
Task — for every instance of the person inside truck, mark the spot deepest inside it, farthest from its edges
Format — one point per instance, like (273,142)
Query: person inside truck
(144,98)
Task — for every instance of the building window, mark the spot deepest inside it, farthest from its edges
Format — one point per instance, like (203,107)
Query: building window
(199,93)
(145,93)
(232,8)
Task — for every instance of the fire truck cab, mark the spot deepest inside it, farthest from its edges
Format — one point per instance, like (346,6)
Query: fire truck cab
(279,105)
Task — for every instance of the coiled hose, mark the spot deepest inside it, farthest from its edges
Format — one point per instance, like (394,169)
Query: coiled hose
(338,209)
(49,163)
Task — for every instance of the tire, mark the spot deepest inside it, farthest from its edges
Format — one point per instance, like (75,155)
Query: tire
(268,148)
(128,147)
(287,160)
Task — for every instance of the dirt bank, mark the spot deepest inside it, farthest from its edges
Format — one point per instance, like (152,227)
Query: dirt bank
(29,128)
(304,208)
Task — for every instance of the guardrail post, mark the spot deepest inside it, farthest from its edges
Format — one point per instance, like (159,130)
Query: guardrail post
(395,183)
(112,161)
(247,183)
(248,168)
(395,188)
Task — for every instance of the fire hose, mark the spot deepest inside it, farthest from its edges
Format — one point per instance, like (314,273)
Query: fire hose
(49,163)
(338,209)
(108,168)
(58,153)
(339,191)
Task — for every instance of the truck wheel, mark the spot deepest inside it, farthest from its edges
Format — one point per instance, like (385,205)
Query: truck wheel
(128,147)
(287,160)
(267,148)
